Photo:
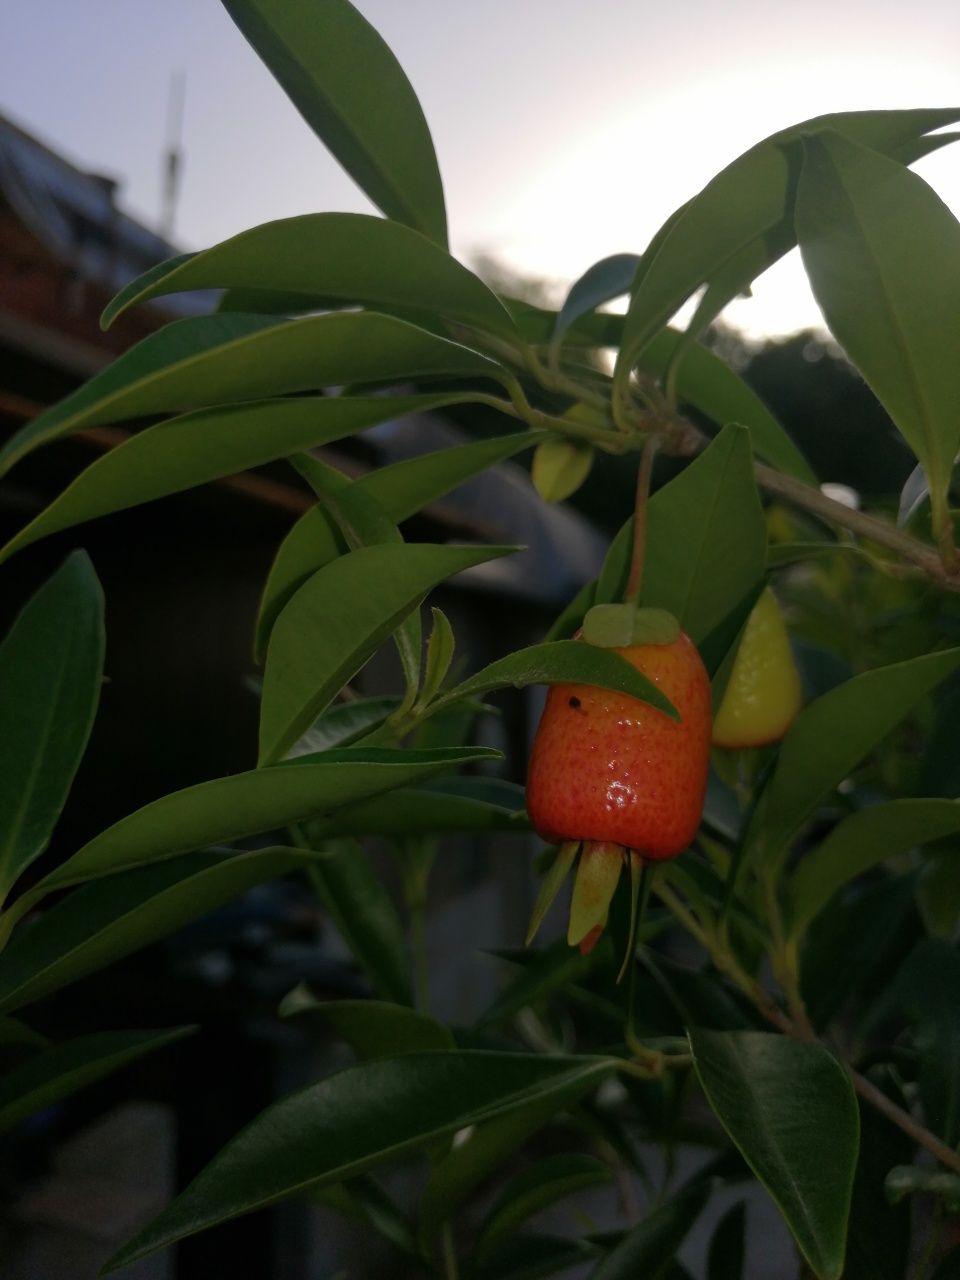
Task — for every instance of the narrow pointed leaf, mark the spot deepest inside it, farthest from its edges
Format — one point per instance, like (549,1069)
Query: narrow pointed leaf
(336,620)
(790,1109)
(373,1028)
(343,257)
(365,917)
(744,202)
(602,282)
(548,971)
(349,1122)
(834,733)
(551,885)
(348,86)
(117,915)
(563,662)
(882,252)
(63,1069)
(401,489)
(364,523)
(220,359)
(341,725)
(549,1180)
(466,804)
(205,445)
(650,1247)
(52,664)
(862,841)
(246,804)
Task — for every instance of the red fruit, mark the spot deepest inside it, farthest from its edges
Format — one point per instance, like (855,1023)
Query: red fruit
(607,767)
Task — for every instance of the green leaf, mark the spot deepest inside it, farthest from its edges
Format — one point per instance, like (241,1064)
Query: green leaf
(348,86)
(401,489)
(743,203)
(487,1149)
(205,445)
(727,1245)
(365,917)
(246,804)
(543,1184)
(790,1109)
(373,1028)
(440,648)
(119,914)
(706,540)
(343,257)
(363,523)
(882,252)
(220,359)
(59,1071)
(341,725)
(833,734)
(553,969)
(52,665)
(607,279)
(368,1114)
(447,805)
(862,841)
(337,620)
(562,662)
(714,389)
(650,1247)
(615,625)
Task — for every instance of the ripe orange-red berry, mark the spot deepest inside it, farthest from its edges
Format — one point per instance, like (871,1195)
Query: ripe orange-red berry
(608,767)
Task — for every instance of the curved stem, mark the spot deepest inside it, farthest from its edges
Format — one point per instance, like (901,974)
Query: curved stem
(874,528)
(635,580)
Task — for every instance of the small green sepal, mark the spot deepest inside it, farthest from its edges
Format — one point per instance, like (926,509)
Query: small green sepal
(593,888)
(613,626)
(551,884)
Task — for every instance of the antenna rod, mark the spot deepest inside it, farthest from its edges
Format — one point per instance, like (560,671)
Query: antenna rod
(173,156)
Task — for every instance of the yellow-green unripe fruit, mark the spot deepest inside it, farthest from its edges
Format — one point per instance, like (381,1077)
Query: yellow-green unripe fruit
(763,695)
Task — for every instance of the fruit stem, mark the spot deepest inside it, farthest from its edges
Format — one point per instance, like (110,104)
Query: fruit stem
(642,501)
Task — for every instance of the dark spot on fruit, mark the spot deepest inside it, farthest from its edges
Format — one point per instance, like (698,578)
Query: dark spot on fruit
(575,703)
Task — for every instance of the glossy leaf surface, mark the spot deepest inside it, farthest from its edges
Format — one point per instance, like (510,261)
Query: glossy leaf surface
(345,257)
(560,662)
(205,445)
(888,293)
(790,1109)
(223,359)
(246,804)
(349,1122)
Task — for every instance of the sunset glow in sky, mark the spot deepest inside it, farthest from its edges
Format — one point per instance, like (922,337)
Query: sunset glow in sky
(565,131)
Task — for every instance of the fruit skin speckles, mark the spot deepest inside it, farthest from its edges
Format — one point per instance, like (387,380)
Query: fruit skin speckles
(607,767)
(763,695)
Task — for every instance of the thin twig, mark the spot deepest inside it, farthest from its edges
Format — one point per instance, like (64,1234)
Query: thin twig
(903,1120)
(635,580)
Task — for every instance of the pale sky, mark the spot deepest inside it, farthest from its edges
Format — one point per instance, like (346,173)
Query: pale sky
(566,130)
